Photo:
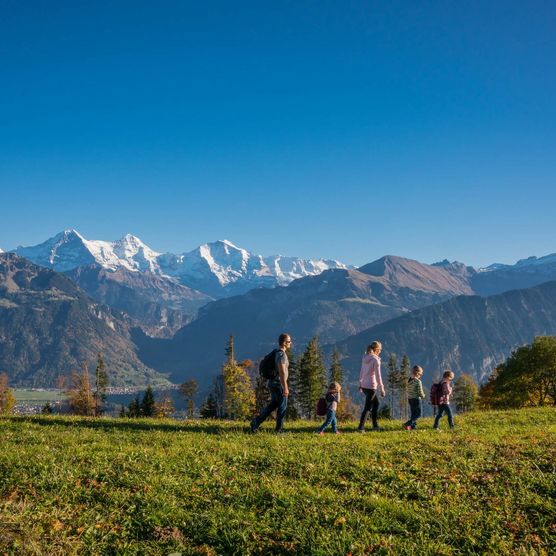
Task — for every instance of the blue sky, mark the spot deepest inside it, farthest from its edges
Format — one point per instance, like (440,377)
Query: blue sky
(340,129)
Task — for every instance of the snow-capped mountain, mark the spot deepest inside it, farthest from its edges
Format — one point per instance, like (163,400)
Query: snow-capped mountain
(221,266)
(218,269)
(69,249)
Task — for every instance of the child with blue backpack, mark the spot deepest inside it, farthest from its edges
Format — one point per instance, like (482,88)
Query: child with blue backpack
(332,399)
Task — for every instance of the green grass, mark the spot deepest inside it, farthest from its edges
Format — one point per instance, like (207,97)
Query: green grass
(38,396)
(111,486)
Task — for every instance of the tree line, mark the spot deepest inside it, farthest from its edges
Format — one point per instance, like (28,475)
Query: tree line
(238,391)
(526,379)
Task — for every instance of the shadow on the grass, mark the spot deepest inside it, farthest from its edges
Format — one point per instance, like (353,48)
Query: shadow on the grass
(207,427)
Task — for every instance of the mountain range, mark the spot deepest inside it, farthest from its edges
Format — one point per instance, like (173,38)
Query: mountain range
(217,269)
(469,334)
(49,327)
(345,304)
(176,312)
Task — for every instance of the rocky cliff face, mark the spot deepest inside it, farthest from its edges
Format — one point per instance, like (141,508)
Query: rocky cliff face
(49,327)
(159,305)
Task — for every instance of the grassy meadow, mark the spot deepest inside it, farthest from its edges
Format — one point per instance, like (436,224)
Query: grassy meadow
(117,486)
(38,396)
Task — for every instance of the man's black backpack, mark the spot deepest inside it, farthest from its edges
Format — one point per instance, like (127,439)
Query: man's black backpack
(267,366)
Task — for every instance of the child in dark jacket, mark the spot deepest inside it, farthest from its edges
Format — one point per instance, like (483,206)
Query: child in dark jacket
(415,394)
(444,401)
(332,400)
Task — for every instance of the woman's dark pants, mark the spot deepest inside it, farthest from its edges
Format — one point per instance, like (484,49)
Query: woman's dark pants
(371,405)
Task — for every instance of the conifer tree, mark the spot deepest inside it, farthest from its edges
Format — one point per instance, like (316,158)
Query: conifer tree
(219,393)
(147,407)
(346,408)
(209,408)
(392,379)
(312,378)
(189,390)
(293,410)
(101,384)
(134,408)
(402,386)
(230,350)
(336,370)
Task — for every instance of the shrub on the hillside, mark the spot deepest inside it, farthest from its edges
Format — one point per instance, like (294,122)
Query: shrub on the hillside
(466,393)
(526,378)
(7,399)
(80,395)
(164,407)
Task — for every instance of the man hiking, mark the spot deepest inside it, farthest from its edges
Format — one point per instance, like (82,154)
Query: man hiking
(277,384)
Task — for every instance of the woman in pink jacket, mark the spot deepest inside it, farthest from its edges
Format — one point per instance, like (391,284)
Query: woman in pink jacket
(370,383)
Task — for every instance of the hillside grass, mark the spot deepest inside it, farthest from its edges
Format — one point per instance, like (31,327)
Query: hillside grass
(117,486)
(23,395)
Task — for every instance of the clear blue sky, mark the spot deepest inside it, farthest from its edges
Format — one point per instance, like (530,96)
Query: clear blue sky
(314,128)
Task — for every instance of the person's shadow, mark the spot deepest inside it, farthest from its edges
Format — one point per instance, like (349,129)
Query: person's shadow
(207,426)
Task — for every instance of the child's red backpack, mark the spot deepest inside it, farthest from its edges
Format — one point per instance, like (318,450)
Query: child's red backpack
(322,407)
(435,393)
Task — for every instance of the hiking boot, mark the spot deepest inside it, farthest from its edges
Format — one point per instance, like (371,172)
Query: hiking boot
(253,426)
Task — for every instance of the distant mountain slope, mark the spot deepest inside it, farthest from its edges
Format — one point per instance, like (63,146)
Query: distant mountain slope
(49,327)
(333,305)
(399,272)
(467,334)
(158,304)
(524,274)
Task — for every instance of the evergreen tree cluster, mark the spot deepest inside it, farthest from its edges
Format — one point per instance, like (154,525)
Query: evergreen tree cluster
(148,406)
(239,392)
(397,378)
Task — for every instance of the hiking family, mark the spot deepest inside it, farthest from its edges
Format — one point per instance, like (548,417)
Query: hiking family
(274,368)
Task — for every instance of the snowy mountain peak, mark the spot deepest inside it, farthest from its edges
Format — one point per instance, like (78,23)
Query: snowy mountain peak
(229,244)
(218,269)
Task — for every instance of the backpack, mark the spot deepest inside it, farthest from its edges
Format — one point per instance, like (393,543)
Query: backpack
(267,366)
(435,393)
(322,407)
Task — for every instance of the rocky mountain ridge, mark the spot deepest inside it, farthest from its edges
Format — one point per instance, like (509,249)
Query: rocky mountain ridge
(468,334)
(217,269)
(49,327)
